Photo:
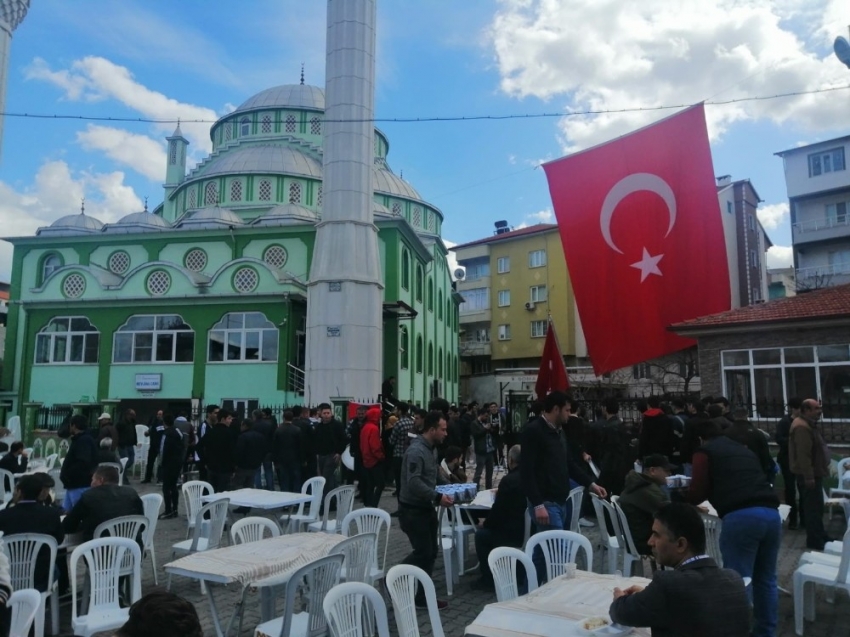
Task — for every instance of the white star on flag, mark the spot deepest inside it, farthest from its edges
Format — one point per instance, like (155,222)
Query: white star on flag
(648,265)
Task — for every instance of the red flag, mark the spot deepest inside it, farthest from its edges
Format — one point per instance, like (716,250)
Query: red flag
(553,373)
(643,237)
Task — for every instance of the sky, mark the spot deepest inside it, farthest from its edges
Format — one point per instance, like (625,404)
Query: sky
(199,59)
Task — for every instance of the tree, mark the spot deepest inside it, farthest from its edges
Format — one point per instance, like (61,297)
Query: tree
(676,371)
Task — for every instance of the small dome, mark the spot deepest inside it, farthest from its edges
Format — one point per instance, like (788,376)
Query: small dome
(267,159)
(73,224)
(389,183)
(212,217)
(381,210)
(287,95)
(138,222)
(285,214)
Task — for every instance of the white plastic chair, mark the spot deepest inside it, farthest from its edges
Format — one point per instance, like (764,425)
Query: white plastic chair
(575,498)
(401,584)
(344,497)
(808,575)
(252,529)
(25,604)
(7,485)
(503,565)
(37,449)
(321,576)
(609,543)
(307,512)
(193,491)
(103,558)
(713,528)
(152,503)
(50,462)
(123,462)
(50,447)
(218,516)
(131,527)
(462,531)
(353,608)
(58,486)
(447,547)
(142,448)
(559,549)
(631,555)
(359,553)
(369,520)
(22,550)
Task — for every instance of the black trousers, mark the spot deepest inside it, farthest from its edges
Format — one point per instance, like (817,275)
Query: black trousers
(420,527)
(813,507)
(152,453)
(397,471)
(220,480)
(790,481)
(372,485)
(170,493)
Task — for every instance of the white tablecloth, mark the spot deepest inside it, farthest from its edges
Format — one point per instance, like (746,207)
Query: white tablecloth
(259,498)
(254,561)
(553,609)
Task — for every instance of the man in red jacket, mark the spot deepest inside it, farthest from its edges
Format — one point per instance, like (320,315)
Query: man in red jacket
(372,451)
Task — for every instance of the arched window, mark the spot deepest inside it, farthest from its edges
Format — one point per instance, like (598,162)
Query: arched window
(417,216)
(228,131)
(67,339)
(294,192)
(245,126)
(265,190)
(405,269)
(319,198)
(430,359)
(315,126)
(149,338)
(404,338)
(236,190)
(419,355)
(243,337)
(290,123)
(51,263)
(193,199)
(449,312)
(430,294)
(172,153)
(211,194)
(440,372)
(440,305)
(419,284)
(267,124)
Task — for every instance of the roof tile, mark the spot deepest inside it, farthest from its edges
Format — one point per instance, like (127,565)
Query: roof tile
(540,227)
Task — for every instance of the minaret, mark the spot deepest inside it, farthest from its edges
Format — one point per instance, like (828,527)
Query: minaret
(12,13)
(175,170)
(345,289)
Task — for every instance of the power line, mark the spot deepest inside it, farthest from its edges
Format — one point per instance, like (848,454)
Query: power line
(457,118)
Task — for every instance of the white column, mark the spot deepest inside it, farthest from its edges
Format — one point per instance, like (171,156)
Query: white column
(345,290)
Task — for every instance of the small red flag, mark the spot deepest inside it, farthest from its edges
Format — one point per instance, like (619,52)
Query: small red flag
(643,237)
(553,373)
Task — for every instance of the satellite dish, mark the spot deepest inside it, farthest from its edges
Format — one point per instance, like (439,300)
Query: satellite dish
(460,274)
(842,50)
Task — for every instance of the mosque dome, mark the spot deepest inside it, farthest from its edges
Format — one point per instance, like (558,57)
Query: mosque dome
(285,214)
(269,159)
(212,217)
(287,95)
(389,183)
(138,222)
(73,224)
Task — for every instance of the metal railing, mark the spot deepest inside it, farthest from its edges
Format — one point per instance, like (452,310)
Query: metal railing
(296,378)
(821,223)
(828,270)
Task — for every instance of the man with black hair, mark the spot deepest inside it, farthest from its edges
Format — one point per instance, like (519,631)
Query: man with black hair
(418,497)
(743,431)
(613,440)
(656,431)
(696,598)
(216,451)
(172,454)
(642,496)
(286,453)
(330,442)
(106,500)
(154,432)
(162,614)
(400,440)
(485,446)
(15,461)
(307,445)
(264,426)
(809,459)
(127,441)
(789,480)
(732,479)
(210,419)
(725,408)
(79,463)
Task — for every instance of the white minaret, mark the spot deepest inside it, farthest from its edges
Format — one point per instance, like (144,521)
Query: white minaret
(12,13)
(345,291)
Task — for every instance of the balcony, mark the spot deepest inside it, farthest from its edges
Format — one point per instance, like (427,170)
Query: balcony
(811,230)
(475,316)
(474,348)
(823,277)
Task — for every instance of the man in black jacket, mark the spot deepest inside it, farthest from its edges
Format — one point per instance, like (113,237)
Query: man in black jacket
(79,463)
(783,432)
(251,448)
(743,431)
(505,522)
(28,515)
(216,451)
(15,461)
(127,440)
(265,427)
(105,501)
(154,433)
(286,453)
(172,454)
(696,598)
(546,469)
(329,439)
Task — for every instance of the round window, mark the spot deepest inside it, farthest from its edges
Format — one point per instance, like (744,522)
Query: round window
(275,256)
(196,260)
(158,282)
(245,280)
(119,262)
(73,286)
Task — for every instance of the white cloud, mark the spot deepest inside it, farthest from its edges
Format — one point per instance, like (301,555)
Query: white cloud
(780,257)
(774,215)
(57,192)
(544,216)
(96,78)
(140,152)
(661,52)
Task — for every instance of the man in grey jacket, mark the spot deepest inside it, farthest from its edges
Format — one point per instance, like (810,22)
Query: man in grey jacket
(418,497)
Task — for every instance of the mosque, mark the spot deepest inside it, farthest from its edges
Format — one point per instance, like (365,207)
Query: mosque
(203,299)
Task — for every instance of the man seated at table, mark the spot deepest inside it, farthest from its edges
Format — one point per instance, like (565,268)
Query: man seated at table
(105,501)
(16,460)
(642,496)
(28,515)
(162,614)
(450,468)
(696,598)
(505,523)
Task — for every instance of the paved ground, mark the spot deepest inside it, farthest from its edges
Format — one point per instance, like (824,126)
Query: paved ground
(467,602)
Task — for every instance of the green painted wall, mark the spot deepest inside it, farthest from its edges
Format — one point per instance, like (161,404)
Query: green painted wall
(63,383)
(176,380)
(243,380)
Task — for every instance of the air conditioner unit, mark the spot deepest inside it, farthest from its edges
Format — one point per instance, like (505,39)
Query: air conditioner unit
(529,306)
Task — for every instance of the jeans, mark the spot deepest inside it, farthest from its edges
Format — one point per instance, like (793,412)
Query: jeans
(129,453)
(420,527)
(483,460)
(267,470)
(72,496)
(812,499)
(749,544)
(557,519)
(289,476)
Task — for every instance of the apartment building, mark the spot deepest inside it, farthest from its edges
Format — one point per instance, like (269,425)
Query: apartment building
(818,186)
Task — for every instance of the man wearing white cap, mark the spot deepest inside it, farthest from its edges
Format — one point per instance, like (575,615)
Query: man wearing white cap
(107,430)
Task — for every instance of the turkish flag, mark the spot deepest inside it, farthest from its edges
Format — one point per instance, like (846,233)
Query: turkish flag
(553,373)
(643,237)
